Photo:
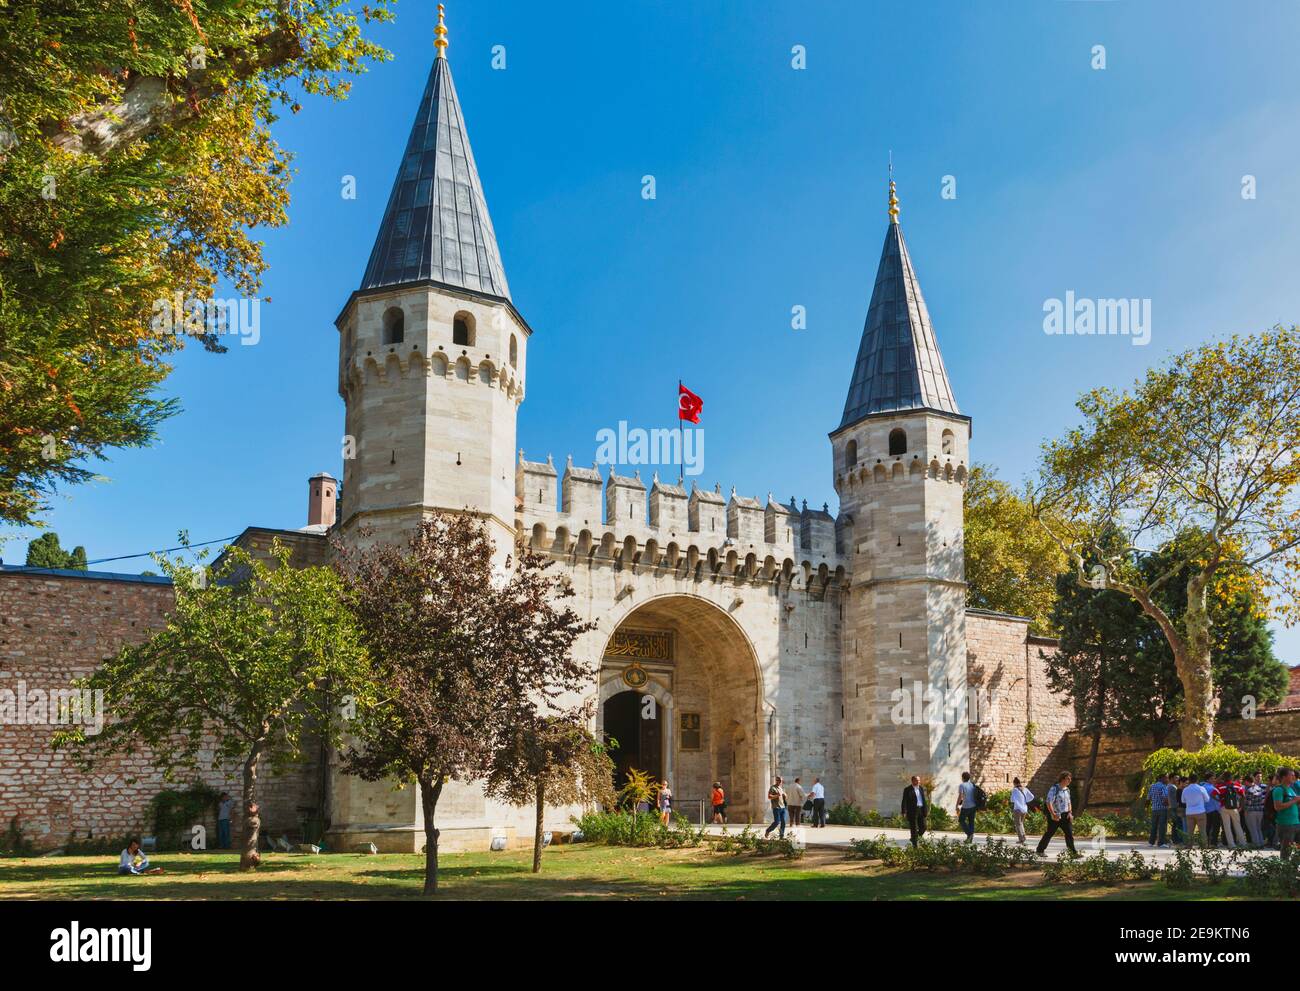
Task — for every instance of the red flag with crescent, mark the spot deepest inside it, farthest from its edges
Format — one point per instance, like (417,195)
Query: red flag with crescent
(689,405)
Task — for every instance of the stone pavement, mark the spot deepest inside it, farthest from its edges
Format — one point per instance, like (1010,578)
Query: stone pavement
(840,836)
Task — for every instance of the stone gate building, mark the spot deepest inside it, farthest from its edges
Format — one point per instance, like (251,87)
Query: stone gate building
(772,637)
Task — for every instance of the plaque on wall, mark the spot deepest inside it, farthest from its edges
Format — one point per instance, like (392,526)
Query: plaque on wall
(689,731)
(635,676)
(643,645)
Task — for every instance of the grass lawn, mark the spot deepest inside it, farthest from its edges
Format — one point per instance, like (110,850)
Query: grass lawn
(582,872)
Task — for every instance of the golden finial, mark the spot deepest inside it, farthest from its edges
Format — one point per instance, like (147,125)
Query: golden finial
(893,195)
(440,32)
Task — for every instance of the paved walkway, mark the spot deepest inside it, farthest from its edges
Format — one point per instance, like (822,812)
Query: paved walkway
(840,836)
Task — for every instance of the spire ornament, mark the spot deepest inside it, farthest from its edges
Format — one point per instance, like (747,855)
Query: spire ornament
(440,34)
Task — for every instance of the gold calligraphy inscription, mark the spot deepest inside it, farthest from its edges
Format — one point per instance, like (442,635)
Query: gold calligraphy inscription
(645,645)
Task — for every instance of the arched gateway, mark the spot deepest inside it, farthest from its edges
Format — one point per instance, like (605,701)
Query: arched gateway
(681,694)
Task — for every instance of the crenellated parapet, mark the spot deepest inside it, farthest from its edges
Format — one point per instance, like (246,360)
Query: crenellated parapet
(394,364)
(895,470)
(612,521)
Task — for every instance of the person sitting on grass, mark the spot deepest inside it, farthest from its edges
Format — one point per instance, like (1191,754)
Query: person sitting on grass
(134,861)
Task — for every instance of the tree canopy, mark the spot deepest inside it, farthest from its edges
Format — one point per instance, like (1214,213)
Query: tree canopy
(252,657)
(1011,563)
(1197,458)
(465,656)
(136,161)
(46,552)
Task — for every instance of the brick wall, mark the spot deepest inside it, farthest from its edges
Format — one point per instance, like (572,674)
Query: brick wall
(1004,661)
(55,628)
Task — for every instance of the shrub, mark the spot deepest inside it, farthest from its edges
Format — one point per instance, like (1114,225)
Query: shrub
(1179,870)
(1272,877)
(637,829)
(176,812)
(1097,869)
(990,859)
(12,841)
(1215,759)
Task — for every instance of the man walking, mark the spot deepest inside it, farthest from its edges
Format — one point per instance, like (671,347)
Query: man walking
(776,795)
(1060,815)
(1159,795)
(1286,814)
(1195,799)
(819,803)
(916,808)
(966,806)
(794,803)
(1020,799)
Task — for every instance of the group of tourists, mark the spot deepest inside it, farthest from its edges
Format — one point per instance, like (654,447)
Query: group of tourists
(1257,811)
(790,802)
(972,799)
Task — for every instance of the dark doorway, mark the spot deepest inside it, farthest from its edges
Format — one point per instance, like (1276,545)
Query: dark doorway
(638,738)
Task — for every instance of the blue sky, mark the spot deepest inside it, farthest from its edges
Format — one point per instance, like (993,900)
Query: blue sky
(1120,182)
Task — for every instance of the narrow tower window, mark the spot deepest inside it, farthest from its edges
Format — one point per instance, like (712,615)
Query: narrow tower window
(462,330)
(948,439)
(850,455)
(514,352)
(898,441)
(394,325)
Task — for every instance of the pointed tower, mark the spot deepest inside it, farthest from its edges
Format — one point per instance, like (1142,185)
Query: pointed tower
(432,359)
(432,352)
(901,457)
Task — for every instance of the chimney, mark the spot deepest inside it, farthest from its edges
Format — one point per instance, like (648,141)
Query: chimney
(322,497)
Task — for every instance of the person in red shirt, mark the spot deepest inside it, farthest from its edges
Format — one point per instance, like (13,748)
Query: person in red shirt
(719,800)
(1231,796)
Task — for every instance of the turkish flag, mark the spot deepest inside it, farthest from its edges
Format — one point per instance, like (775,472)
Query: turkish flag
(689,404)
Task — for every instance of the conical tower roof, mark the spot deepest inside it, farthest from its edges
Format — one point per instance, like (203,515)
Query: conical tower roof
(899,366)
(436,226)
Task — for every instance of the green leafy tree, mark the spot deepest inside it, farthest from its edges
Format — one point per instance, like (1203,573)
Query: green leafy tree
(543,760)
(252,659)
(465,657)
(1198,457)
(1116,666)
(136,159)
(46,552)
(1011,564)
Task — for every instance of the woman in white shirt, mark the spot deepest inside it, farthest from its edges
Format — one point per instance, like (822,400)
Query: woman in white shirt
(1020,799)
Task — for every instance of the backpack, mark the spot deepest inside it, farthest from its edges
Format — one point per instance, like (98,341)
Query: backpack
(981,799)
(1229,799)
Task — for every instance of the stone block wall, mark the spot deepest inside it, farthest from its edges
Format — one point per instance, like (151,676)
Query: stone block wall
(55,628)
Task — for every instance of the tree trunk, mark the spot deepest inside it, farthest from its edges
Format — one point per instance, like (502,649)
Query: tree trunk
(1191,658)
(1194,668)
(429,792)
(537,832)
(250,858)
